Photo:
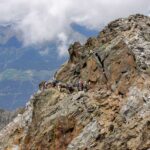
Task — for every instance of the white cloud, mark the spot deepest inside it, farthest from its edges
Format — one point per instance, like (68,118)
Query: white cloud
(65,39)
(50,20)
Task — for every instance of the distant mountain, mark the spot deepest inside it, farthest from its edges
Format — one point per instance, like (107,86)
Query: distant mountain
(22,68)
(7,116)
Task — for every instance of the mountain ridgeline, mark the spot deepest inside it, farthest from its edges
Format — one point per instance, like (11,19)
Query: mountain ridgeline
(112,115)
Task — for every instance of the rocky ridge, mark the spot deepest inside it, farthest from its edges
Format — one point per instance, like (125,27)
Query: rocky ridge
(112,115)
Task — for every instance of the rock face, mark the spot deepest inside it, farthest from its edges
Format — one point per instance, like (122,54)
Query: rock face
(114,114)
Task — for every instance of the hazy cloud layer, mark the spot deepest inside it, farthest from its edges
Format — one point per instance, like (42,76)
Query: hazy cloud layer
(50,20)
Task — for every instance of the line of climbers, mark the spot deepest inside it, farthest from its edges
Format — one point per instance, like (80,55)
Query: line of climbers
(79,86)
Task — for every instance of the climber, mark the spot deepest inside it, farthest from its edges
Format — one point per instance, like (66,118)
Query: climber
(89,85)
(80,85)
(42,85)
(75,86)
(70,87)
(54,83)
(85,86)
(59,86)
(48,85)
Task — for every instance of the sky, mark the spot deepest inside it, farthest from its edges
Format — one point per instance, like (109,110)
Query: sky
(63,21)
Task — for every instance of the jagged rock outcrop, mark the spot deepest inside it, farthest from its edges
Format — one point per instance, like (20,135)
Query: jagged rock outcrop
(114,114)
(119,52)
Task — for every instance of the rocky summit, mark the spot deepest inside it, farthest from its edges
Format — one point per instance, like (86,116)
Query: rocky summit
(113,114)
